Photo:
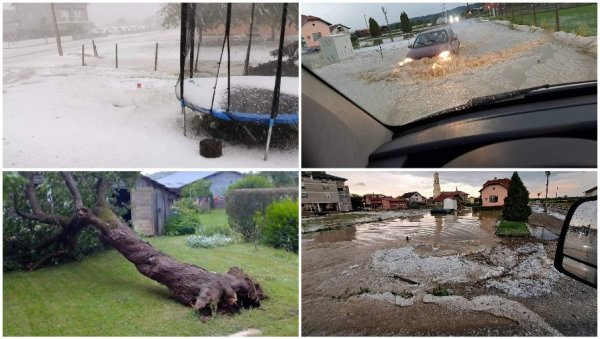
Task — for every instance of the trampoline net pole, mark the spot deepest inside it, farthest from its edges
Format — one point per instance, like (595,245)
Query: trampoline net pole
(182,55)
(275,106)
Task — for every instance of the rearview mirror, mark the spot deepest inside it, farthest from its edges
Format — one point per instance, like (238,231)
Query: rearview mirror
(577,244)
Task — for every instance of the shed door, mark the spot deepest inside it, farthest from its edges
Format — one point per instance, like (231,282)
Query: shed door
(142,210)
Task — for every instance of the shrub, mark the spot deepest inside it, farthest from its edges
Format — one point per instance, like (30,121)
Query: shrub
(242,205)
(252,181)
(279,225)
(216,240)
(182,223)
(582,29)
(516,204)
(377,42)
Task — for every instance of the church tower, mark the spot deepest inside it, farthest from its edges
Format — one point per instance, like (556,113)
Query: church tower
(436,185)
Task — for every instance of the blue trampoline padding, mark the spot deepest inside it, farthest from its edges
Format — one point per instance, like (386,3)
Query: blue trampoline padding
(219,113)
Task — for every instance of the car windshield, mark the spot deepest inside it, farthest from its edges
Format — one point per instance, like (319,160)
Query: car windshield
(495,48)
(431,38)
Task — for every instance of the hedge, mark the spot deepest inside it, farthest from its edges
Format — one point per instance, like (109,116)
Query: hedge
(242,205)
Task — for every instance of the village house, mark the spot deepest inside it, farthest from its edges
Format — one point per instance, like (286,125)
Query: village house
(323,192)
(339,29)
(34,20)
(313,29)
(460,197)
(494,192)
(414,198)
(373,201)
(219,184)
(390,203)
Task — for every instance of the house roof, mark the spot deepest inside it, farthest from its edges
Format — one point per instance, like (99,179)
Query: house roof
(502,182)
(591,189)
(322,175)
(391,199)
(409,194)
(158,184)
(332,27)
(307,18)
(180,179)
(444,195)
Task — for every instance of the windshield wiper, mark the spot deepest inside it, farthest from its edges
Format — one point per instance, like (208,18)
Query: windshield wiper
(491,99)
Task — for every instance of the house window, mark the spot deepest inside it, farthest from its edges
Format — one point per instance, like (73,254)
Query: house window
(493,198)
(316,36)
(304,195)
(325,188)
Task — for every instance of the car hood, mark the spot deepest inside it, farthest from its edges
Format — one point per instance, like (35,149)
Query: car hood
(427,51)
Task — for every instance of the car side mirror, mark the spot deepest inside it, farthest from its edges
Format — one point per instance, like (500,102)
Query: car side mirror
(577,244)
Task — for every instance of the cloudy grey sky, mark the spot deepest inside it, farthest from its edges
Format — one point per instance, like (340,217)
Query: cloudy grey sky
(352,14)
(105,14)
(397,183)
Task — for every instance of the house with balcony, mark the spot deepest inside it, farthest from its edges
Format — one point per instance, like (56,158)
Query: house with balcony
(494,192)
(322,192)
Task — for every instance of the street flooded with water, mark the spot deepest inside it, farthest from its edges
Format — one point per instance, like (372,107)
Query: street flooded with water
(438,275)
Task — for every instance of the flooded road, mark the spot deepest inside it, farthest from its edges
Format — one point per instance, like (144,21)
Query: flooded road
(515,57)
(465,230)
(368,279)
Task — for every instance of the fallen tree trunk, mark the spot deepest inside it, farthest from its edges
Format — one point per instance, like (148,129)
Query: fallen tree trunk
(190,284)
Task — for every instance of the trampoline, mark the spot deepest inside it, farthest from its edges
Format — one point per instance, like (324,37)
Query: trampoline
(211,95)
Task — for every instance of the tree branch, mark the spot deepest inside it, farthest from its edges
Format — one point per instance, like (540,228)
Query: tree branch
(102,191)
(72,186)
(37,213)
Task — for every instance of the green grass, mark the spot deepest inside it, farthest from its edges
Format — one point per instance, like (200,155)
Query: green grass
(512,229)
(214,217)
(571,19)
(104,295)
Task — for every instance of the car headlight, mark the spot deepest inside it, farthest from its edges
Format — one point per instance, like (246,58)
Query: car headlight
(451,19)
(457,19)
(444,55)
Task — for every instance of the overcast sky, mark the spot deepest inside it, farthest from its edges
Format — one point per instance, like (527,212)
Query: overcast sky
(352,14)
(397,183)
(105,14)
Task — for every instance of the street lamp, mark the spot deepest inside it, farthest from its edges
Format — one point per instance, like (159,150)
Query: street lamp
(546,200)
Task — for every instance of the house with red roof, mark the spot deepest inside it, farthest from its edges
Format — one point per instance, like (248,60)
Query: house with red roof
(313,29)
(494,192)
(460,197)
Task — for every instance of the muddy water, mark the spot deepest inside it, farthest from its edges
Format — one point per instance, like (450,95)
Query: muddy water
(450,231)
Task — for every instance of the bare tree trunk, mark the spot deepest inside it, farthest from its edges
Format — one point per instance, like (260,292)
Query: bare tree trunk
(198,48)
(56,31)
(190,284)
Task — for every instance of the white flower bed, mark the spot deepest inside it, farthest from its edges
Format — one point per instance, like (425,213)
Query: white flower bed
(216,240)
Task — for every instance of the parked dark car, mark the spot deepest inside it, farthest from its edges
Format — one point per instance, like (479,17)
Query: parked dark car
(439,42)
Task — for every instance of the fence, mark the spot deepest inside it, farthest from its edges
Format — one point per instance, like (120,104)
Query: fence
(578,18)
(109,53)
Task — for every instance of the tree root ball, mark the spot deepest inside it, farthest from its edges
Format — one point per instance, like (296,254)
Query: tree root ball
(211,148)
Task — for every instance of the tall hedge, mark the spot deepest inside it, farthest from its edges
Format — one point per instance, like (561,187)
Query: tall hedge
(242,205)
(516,204)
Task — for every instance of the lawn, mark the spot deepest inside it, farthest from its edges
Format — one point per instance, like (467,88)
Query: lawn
(104,295)
(512,229)
(214,217)
(570,19)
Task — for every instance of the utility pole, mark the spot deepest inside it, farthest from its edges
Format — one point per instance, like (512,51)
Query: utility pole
(367,25)
(445,14)
(546,200)
(56,32)
(387,23)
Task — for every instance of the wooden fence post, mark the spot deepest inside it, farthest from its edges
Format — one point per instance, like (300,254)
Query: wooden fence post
(82,56)
(94,47)
(116,56)
(156,56)
(534,17)
(557,17)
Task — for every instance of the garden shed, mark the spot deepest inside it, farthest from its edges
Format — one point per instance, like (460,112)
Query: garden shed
(151,204)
